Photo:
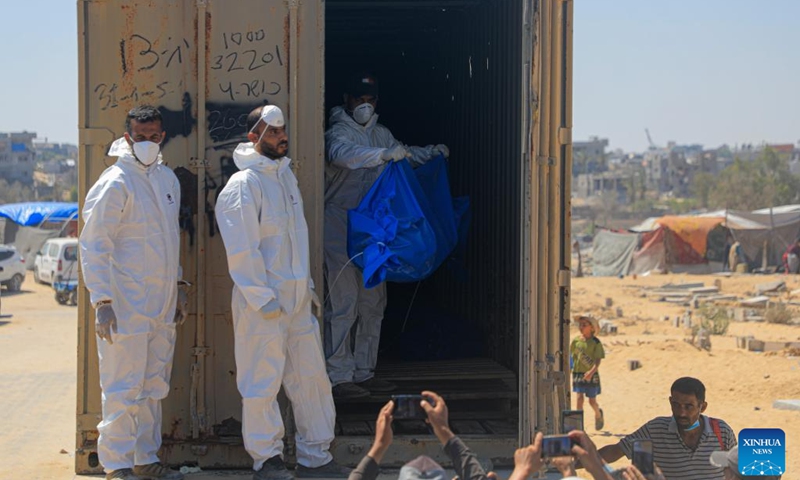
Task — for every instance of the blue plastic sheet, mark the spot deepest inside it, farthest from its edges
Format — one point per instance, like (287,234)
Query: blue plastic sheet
(407,224)
(32,214)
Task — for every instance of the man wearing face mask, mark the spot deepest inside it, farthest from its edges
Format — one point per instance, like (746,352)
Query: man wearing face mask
(130,260)
(276,336)
(358,149)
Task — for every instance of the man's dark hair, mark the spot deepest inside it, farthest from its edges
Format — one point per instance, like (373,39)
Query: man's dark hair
(253,118)
(690,386)
(142,114)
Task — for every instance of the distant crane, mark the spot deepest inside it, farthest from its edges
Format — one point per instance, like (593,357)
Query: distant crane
(650,139)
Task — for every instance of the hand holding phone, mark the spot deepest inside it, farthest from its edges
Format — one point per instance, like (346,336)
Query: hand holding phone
(556,446)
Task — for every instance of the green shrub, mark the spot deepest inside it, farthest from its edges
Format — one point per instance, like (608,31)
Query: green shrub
(714,319)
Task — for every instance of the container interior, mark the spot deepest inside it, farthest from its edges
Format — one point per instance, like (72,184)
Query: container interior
(449,72)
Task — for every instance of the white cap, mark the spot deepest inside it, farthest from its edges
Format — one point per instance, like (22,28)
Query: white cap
(728,459)
(272,116)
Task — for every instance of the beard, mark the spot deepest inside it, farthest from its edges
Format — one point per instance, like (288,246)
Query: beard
(274,152)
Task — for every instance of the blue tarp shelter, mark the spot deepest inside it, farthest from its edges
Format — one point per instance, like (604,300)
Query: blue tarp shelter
(32,214)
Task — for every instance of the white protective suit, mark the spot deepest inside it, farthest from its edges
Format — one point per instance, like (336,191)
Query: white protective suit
(260,217)
(354,163)
(130,255)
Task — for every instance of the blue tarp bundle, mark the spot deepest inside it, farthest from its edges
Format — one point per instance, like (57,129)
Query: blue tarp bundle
(32,214)
(407,224)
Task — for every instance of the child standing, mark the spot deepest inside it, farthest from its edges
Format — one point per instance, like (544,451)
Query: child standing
(586,351)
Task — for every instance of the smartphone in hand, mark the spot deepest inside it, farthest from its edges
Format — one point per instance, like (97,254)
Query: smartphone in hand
(408,407)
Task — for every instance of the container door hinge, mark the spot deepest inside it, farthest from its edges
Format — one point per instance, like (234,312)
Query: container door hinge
(565,136)
(564,277)
(546,160)
(201,351)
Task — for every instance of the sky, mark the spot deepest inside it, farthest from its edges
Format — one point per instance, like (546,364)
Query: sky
(693,71)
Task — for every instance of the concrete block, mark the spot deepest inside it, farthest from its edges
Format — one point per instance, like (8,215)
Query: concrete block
(786,404)
(754,345)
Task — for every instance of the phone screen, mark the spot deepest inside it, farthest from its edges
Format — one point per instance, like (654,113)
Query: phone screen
(556,446)
(571,420)
(643,456)
(407,407)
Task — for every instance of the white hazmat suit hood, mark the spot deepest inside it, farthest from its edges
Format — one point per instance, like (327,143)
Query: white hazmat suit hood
(260,216)
(130,256)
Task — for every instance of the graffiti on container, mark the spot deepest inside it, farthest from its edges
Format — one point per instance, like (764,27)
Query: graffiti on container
(227,123)
(110,95)
(149,53)
(238,38)
(180,122)
(254,89)
(246,60)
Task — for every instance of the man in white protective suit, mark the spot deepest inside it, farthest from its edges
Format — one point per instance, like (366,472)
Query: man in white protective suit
(277,338)
(130,259)
(358,149)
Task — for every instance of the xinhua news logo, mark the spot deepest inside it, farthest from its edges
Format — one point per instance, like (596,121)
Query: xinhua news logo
(762,451)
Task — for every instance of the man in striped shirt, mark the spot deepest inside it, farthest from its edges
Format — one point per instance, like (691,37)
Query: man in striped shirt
(682,443)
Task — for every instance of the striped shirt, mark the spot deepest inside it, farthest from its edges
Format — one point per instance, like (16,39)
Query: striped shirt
(676,460)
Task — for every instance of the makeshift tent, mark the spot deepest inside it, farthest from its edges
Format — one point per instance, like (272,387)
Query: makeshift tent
(613,253)
(696,242)
(34,223)
(32,214)
(406,225)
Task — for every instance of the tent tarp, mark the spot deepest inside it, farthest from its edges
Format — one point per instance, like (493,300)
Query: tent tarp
(29,241)
(692,230)
(613,253)
(652,254)
(33,214)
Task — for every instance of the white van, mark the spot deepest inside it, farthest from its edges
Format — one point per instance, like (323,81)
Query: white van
(57,260)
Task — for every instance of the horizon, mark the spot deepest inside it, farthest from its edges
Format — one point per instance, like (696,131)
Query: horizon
(718,72)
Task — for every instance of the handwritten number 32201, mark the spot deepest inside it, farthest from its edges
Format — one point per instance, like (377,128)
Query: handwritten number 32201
(233,63)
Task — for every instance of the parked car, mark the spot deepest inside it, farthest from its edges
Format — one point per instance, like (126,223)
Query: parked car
(12,268)
(56,261)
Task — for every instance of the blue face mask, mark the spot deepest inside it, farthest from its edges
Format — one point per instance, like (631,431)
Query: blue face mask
(692,426)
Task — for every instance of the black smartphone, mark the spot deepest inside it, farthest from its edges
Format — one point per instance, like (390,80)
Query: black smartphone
(643,456)
(408,407)
(556,446)
(571,420)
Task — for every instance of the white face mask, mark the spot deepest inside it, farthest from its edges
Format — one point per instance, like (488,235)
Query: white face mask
(146,152)
(363,113)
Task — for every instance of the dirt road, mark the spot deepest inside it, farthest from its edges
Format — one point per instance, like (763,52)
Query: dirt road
(38,339)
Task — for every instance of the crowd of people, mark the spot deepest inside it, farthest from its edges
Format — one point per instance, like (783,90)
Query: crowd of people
(130,261)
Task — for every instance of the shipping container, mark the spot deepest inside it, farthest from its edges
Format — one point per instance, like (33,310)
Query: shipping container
(489,78)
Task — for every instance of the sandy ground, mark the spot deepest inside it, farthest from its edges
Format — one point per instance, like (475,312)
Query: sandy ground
(37,374)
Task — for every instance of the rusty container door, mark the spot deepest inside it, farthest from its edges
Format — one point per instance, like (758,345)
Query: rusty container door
(205,64)
(544,338)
